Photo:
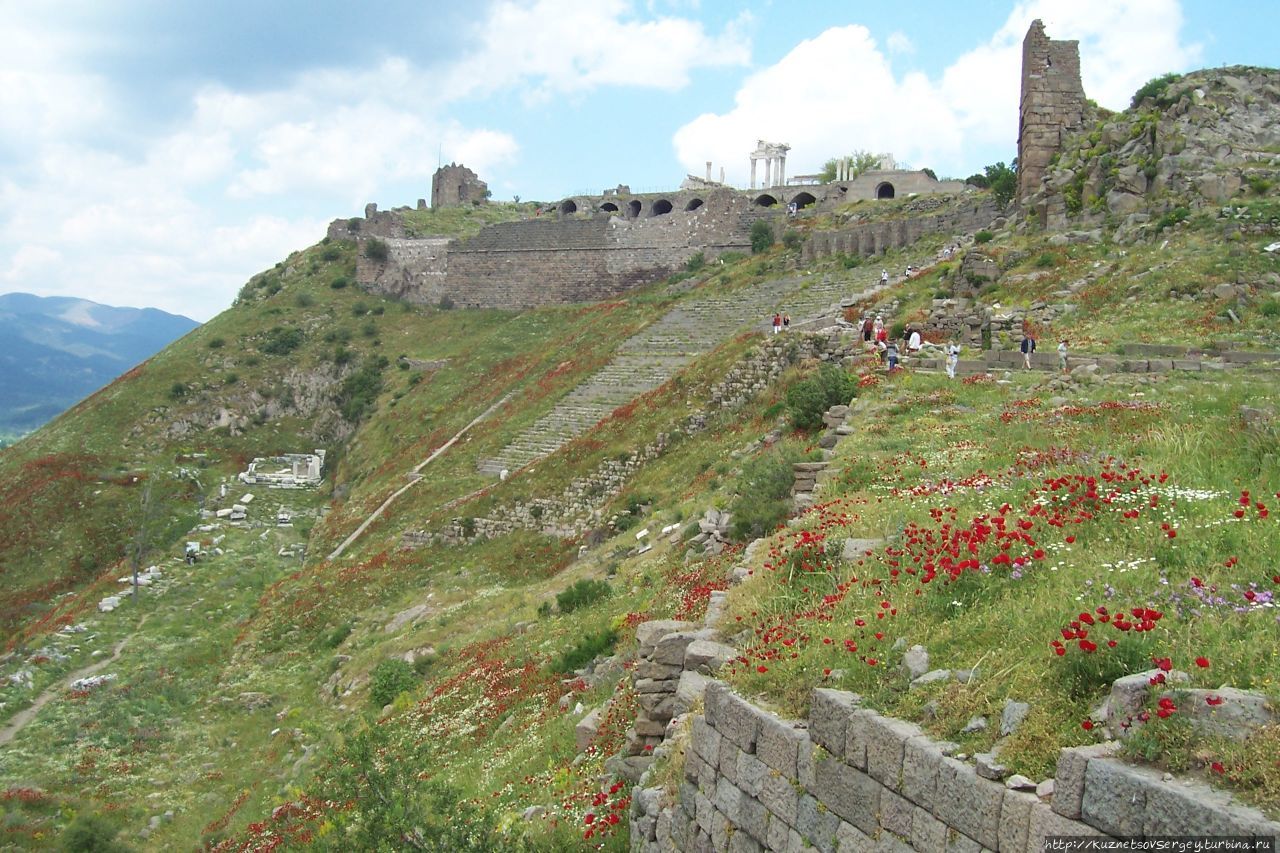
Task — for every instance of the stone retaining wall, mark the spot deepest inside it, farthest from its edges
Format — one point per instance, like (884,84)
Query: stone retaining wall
(850,779)
(874,238)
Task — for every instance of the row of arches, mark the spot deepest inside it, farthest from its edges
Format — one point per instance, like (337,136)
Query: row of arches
(662,206)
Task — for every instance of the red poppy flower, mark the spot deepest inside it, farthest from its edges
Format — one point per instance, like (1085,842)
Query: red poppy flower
(1202,662)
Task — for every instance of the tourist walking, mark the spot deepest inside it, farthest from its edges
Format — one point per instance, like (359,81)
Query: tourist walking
(786,322)
(914,341)
(1062,355)
(884,276)
(891,356)
(777,323)
(868,329)
(953,358)
(1027,347)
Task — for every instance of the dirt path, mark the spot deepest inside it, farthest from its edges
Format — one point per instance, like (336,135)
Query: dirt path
(26,715)
(414,475)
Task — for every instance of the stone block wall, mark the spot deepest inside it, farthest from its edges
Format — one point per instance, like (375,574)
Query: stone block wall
(849,779)
(874,238)
(1051,106)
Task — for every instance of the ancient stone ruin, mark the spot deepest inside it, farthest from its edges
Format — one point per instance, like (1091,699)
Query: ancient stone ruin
(293,471)
(1052,103)
(457,186)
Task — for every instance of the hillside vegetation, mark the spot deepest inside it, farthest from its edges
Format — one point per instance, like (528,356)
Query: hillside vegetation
(1040,536)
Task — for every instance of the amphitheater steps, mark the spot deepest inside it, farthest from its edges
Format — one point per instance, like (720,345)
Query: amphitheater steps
(656,353)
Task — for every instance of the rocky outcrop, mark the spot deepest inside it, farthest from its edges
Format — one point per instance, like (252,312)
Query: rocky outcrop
(1199,141)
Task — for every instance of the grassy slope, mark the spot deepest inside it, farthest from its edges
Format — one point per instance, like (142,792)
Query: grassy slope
(484,717)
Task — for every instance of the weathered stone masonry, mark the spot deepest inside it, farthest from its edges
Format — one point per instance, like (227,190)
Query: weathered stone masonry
(1052,104)
(874,238)
(549,260)
(850,779)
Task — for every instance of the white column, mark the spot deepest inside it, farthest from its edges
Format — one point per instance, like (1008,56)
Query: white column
(782,170)
(753,173)
(768,168)
(708,170)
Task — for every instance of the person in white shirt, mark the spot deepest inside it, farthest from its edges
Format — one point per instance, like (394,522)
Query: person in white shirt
(953,358)
(914,341)
(1062,355)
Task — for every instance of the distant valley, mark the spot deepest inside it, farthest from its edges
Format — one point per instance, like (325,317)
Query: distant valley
(55,350)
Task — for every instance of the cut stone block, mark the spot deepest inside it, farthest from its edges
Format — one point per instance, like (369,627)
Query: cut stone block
(967,803)
(1015,820)
(778,745)
(1115,796)
(849,793)
(885,739)
(1068,787)
(828,717)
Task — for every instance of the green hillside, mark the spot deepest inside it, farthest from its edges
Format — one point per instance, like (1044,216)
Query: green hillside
(422,689)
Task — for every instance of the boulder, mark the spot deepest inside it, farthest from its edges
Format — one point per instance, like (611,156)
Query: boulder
(916,661)
(1238,715)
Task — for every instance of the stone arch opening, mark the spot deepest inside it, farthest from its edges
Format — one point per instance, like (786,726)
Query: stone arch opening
(609,207)
(660,207)
(568,206)
(693,204)
(885,190)
(633,208)
(803,200)
(765,200)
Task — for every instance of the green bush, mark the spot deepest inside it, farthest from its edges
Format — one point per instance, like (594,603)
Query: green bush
(1046,259)
(761,236)
(897,330)
(177,391)
(390,678)
(1156,89)
(90,833)
(281,340)
(696,262)
(359,309)
(1258,184)
(357,393)
(1173,217)
(590,647)
(1003,180)
(216,343)
(335,637)
(330,253)
(793,240)
(851,261)
(761,502)
(353,225)
(376,250)
(1269,307)
(339,282)
(810,398)
(583,593)
(983,236)
(727,258)
(304,300)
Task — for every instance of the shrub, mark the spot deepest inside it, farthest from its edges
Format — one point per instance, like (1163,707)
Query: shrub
(369,329)
(232,378)
(897,330)
(544,610)
(357,393)
(1269,307)
(177,391)
(793,240)
(376,250)
(983,236)
(359,309)
(1258,184)
(590,647)
(583,593)
(339,282)
(696,262)
(353,225)
(330,253)
(390,678)
(304,300)
(761,503)
(851,261)
(761,236)
(281,340)
(1046,259)
(1003,180)
(335,637)
(216,343)
(1173,217)
(808,399)
(1156,89)
(445,304)
(731,257)
(90,833)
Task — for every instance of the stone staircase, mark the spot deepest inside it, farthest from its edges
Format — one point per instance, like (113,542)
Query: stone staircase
(653,355)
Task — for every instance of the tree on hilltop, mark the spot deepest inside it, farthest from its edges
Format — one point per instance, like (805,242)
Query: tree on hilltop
(862,161)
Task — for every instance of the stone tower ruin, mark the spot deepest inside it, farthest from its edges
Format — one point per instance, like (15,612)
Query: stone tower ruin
(1052,105)
(457,186)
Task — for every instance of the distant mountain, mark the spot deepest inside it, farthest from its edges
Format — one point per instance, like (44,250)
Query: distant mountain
(56,350)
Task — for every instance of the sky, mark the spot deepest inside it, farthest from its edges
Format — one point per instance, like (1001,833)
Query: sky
(158,153)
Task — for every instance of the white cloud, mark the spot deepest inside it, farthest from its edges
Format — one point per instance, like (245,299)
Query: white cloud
(900,42)
(566,46)
(164,223)
(838,92)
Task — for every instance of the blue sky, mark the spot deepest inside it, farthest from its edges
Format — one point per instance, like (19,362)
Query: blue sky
(159,153)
